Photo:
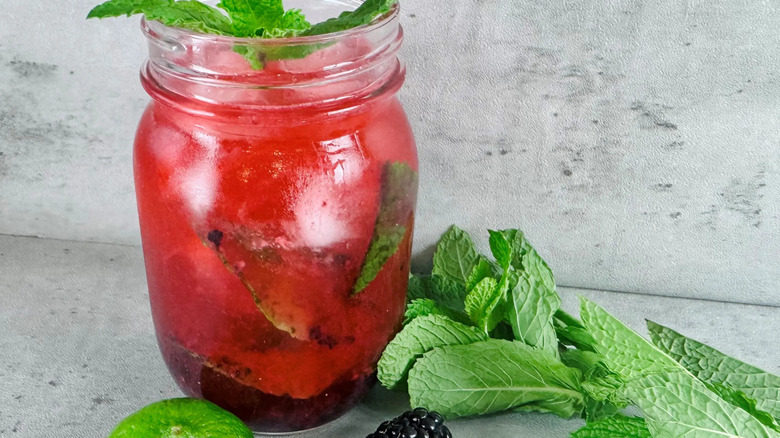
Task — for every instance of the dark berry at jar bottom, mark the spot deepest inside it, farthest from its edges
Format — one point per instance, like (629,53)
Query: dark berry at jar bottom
(418,423)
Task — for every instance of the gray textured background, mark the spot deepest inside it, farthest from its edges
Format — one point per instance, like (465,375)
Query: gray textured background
(636,142)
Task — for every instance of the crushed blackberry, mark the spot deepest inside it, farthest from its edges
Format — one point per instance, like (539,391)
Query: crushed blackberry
(215,237)
(418,423)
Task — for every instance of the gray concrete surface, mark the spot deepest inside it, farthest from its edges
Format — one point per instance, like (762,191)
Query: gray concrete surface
(636,142)
(78,353)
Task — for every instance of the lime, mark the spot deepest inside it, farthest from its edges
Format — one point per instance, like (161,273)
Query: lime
(181,418)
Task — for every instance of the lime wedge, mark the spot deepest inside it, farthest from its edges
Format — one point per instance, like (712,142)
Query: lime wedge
(181,418)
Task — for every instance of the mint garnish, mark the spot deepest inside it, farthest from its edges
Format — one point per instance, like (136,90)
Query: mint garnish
(623,350)
(716,368)
(500,248)
(245,18)
(676,404)
(483,269)
(442,290)
(743,401)
(531,311)
(250,18)
(361,16)
(571,332)
(492,376)
(187,14)
(422,335)
(655,382)
(618,426)
(399,192)
(427,306)
(485,304)
(535,356)
(455,255)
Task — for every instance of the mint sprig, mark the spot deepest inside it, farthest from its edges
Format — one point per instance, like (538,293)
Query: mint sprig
(250,18)
(538,357)
(118,8)
(674,401)
(676,405)
(364,14)
(245,19)
(714,367)
(187,14)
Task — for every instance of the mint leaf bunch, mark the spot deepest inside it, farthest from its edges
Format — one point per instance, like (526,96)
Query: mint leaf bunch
(480,333)
(485,335)
(245,19)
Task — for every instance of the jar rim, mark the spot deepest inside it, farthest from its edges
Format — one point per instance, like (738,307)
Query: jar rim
(156,29)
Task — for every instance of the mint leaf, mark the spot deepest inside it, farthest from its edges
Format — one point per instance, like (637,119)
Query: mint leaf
(618,426)
(533,264)
(118,8)
(483,269)
(399,192)
(526,259)
(624,351)
(519,245)
(741,400)
(421,335)
(714,367)
(485,303)
(293,23)
(187,14)
(531,311)
(571,332)
(253,56)
(363,15)
(676,404)
(190,14)
(426,306)
(492,376)
(455,255)
(440,289)
(253,17)
(500,248)
(246,18)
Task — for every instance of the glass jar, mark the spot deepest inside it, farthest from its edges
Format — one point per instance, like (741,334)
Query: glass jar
(276,209)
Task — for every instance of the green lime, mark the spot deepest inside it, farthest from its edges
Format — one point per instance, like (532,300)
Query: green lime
(181,418)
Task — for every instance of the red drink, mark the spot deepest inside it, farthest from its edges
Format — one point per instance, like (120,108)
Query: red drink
(276,222)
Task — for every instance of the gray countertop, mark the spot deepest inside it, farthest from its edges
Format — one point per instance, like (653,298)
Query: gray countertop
(78,353)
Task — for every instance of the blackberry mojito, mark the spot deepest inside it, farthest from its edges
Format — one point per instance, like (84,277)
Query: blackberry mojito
(276,184)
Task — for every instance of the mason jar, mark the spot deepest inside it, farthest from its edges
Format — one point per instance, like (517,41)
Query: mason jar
(276,183)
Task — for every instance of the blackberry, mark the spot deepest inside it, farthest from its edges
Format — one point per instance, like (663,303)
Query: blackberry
(418,423)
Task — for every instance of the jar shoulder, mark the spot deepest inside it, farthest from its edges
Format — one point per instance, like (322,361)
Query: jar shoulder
(380,131)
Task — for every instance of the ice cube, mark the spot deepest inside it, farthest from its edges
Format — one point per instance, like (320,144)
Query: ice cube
(318,214)
(198,179)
